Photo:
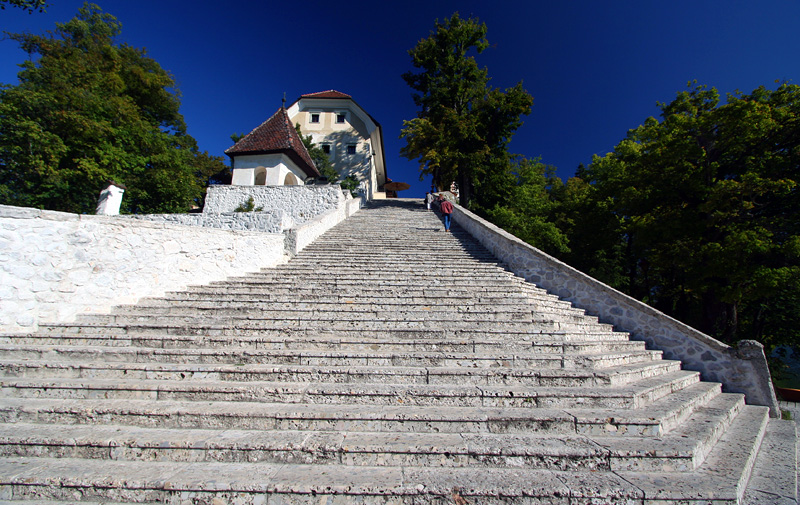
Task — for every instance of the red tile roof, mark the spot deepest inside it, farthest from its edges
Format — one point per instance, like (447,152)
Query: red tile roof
(331,93)
(276,135)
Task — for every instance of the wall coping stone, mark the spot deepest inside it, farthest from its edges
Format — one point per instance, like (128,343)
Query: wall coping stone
(742,369)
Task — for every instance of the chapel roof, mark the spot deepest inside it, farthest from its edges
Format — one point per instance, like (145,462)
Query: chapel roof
(331,93)
(276,135)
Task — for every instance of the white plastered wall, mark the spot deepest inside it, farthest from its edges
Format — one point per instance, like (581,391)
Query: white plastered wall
(358,129)
(277,167)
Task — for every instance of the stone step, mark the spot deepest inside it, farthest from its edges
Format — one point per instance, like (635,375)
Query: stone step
(351,374)
(458,285)
(169,482)
(413,294)
(232,326)
(371,271)
(331,303)
(685,448)
(432,294)
(551,344)
(378,281)
(632,395)
(653,420)
(677,452)
(327,357)
(365,291)
(723,476)
(547,334)
(484,450)
(350,311)
(60,502)
(385,267)
(380,320)
(774,477)
(682,450)
(720,480)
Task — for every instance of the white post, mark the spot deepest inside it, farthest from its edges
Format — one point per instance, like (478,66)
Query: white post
(110,200)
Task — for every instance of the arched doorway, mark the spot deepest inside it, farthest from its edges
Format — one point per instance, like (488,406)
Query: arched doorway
(261,177)
(290,180)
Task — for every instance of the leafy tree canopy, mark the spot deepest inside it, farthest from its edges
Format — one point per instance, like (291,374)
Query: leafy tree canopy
(318,156)
(462,130)
(88,109)
(520,202)
(28,5)
(700,210)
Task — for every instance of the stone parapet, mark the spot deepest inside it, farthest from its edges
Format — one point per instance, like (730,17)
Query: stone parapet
(741,370)
(301,236)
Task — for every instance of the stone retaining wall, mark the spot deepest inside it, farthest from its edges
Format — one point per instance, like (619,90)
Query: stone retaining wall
(285,207)
(55,265)
(742,369)
(298,203)
(267,222)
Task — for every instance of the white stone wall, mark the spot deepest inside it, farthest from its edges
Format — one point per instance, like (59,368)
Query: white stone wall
(277,166)
(300,237)
(267,222)
(55,265)
(299,203)
(740,370)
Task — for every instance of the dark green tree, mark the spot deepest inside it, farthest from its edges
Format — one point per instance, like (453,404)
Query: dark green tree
(705,202)
(462,130)
(522,204)
(28,5)
(88,109)
(319,157)
(592,229)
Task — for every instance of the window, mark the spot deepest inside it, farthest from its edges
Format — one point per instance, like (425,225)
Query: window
(314,117)
(341,117)
(351,148)
(326,148)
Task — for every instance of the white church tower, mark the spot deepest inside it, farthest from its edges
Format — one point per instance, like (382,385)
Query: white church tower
(352,138)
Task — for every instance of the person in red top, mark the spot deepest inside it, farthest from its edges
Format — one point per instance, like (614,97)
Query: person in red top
(447,208)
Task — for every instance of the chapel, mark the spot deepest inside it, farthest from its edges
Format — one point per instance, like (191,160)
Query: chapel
(273,153)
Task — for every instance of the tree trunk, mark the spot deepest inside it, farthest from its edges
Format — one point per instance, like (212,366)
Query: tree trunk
(720,319)
(464,188)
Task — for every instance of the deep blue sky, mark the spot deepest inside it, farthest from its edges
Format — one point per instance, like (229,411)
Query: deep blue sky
(595,68)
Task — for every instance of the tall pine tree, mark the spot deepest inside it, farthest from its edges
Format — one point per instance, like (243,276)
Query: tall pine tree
(462,130)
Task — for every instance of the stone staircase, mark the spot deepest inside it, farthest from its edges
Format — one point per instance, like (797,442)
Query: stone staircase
(388,363)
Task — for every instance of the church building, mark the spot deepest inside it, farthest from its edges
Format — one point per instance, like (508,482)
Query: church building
(273,153)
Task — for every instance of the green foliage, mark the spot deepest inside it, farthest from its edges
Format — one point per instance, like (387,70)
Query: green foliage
(522,205)
(350,183)
(463,128)
(88,109)
(28,5)
(248,206)
(318,156)
(699,211)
